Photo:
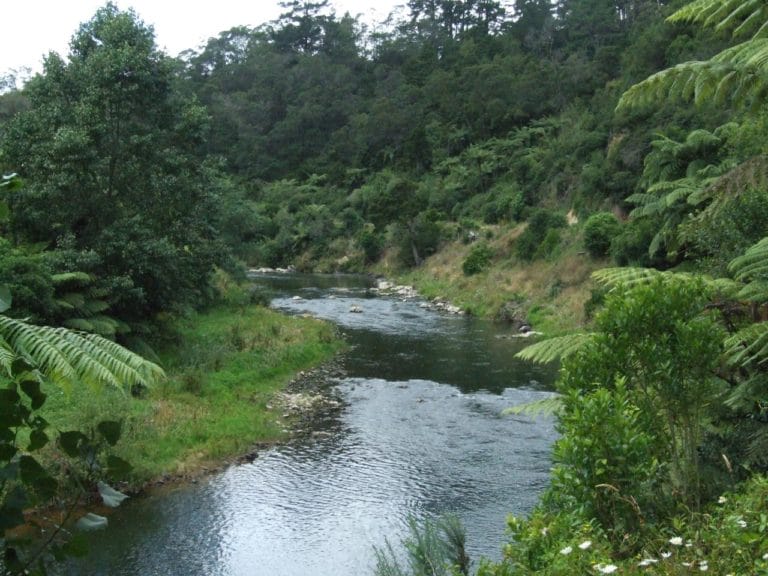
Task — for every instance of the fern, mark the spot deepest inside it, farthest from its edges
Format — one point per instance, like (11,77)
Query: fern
(544,406)
(748,346)
(738,74)
(69,357)
(615,277)
(553,349)
(741,18)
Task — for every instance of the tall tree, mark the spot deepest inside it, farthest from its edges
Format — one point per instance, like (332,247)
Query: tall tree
(108,150)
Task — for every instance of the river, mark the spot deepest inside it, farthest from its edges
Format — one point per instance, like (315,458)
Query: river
(420,434)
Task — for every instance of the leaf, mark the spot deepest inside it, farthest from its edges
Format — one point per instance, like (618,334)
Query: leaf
(111,431)
(32,389)
(37,439)
(91,522)
(12,509)
(554,348)
(34,475)
(71,442)
(111,497)
(5,298)
(117,467)
(544,406)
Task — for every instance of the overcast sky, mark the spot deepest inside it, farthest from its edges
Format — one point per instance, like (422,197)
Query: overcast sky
(32,28)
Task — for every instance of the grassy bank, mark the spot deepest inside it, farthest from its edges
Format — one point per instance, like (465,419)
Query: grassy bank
(224,369)
(549,293)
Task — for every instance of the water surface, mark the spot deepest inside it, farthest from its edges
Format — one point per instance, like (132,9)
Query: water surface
(421,434)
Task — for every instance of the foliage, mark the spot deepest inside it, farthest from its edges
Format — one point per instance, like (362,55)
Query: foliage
(607,463)
(127,183)
(536,240)
(26,482)
(599,230)
(435,548)
(736,74)
(479,259)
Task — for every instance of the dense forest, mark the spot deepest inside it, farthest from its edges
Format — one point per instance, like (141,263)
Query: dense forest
(137,181)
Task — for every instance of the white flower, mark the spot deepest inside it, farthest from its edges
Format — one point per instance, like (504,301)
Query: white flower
(606,568)
(741,522)
(647,562)
(703,566)
(586,544)
(544,531)
(765,556)
(722,500)
(567,550)
(666,555)
(676,541)
(687,564)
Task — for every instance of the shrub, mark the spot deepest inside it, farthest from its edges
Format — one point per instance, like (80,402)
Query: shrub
(478,259)
(370,243)
(599,231)
(540,223)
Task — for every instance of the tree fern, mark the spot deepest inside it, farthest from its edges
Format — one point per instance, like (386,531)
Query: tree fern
(630,276)
(68,357)
(553,349)
(740,18)
(748,347)
(738,74)
(548,405)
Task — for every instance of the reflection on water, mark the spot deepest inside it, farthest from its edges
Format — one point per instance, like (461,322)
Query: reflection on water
(421,435)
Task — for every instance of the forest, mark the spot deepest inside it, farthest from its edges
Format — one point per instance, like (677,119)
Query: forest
(628,135)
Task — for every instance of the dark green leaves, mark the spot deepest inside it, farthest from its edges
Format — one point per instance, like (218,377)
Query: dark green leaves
(72,442)
(110,430)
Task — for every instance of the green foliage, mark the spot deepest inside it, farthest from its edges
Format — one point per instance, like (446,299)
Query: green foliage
(540,237)
(435,548)
(26,481)
(736,74)
(108,150)
(599,231)
(479,259)
(371,243)
(607,463)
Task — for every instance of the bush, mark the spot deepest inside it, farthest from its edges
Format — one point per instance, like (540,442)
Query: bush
(540,223)
(599,231)
(630,246)
(478,259)
(370,243)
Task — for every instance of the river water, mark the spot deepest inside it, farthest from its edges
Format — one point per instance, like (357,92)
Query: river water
(420,435)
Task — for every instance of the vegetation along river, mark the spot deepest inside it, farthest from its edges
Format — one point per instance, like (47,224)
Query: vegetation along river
(420,434)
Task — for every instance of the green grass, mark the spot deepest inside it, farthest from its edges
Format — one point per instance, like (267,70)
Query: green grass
(223,371)
(551,292)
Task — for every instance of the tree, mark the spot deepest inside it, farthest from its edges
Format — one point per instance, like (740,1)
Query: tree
(108,149)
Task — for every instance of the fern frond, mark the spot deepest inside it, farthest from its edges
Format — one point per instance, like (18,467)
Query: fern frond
(739,17)
(547,406)
(553,349)
(71,277)
(752,264)
(6,357)
(743,68)
(747,346)
(757,450)
(755,291)
(614,277)
(69,357)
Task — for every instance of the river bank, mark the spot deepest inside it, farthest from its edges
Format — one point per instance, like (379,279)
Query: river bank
(221,400)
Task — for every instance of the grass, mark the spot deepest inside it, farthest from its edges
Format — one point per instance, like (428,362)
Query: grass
(224,369)
(551,292)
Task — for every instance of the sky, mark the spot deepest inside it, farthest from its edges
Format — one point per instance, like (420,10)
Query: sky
(32,28)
